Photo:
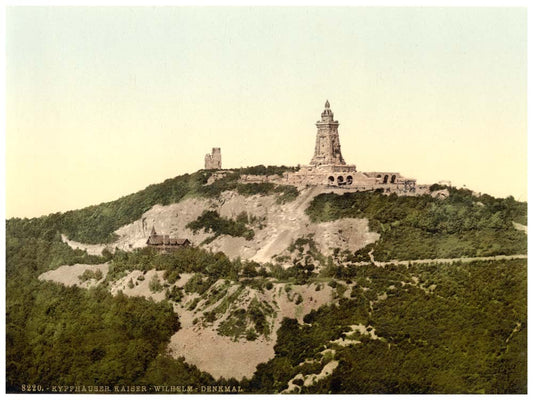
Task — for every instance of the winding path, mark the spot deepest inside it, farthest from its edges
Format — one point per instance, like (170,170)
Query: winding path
(441,260)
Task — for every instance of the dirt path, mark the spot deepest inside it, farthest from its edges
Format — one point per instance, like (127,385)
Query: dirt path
(92,249)
(444,260)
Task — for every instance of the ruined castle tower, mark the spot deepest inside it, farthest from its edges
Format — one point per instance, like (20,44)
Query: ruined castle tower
(328,147)
(213,160)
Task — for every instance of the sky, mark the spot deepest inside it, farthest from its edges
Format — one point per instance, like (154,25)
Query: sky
(104,101)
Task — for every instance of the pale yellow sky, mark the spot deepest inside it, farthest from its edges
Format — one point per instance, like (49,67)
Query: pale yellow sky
(102,102)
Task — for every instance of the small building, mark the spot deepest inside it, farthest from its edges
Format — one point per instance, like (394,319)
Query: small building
(165,242)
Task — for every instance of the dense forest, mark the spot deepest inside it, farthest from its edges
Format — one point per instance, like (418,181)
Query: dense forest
(422,227)
(468,335)
(440,328)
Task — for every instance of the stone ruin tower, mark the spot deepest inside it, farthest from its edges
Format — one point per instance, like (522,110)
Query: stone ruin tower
(327,147)
(213,160)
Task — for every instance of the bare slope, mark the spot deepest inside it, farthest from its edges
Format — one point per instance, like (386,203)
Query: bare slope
(209,336)
(201,343)
(217,333)
(276,226)
(70,275)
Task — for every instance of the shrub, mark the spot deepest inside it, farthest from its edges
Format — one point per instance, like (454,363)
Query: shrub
(211,221)
(90,274)
(155,285)
(174,294)
(251,335)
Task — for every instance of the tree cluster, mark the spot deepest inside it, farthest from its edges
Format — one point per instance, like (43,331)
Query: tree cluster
(422,227)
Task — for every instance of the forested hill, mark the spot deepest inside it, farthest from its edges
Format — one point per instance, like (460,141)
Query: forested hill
(461,215)
(426,327)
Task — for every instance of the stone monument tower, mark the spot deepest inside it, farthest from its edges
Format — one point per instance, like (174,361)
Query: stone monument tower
(327,147)
(213,160)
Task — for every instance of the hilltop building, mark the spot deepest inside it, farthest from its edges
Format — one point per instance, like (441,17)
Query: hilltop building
(328,168)
(327,147)
(213,160)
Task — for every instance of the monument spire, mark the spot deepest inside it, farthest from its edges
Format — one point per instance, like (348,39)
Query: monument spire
(327,147)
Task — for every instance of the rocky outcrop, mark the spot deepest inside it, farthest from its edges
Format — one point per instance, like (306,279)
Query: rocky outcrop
(276,226)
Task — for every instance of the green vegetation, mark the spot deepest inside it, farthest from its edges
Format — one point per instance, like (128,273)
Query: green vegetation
(90,274)
(247,323)
(269,170)
(96,224)
(288,193)
(468,335)
(165,370)
(62,335)
(231,182)
(251,335)
(305,258)
(211,221)
(235,325)
(57,335)
(423,227)
(186,260)
(458,328)
(208,268)
(198,284)
(155,284)
(174,294)
(241,321)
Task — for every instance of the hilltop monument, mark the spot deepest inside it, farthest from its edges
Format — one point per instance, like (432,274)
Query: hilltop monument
(213,160)
(327,147)
(328,167)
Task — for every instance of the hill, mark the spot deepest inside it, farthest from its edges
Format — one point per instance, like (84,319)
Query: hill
(285,289)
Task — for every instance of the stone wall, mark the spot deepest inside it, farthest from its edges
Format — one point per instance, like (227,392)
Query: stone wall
(260,178)
(344,178)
